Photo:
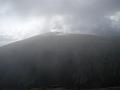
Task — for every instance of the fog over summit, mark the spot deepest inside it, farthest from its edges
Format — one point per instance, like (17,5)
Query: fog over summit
(20,19)
(68,43)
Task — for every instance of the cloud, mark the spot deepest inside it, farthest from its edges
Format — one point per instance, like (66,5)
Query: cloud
(115,19)
(79,16)
(81,11)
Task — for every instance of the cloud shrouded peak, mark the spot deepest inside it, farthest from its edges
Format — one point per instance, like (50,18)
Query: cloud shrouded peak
(20,19)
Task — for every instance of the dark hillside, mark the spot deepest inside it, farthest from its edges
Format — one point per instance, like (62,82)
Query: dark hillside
(70,61)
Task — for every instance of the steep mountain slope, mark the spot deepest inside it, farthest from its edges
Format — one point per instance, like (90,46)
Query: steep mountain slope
(71,60)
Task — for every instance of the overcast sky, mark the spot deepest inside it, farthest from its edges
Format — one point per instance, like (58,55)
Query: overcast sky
(21,19)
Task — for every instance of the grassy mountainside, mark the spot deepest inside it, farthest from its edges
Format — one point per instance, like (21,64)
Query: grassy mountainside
(70,61)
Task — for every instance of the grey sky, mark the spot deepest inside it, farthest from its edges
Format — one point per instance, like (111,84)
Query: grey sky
(20,19)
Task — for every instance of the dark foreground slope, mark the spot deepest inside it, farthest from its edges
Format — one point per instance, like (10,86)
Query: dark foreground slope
(70,61)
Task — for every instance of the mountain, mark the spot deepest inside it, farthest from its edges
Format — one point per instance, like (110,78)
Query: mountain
(60,60)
